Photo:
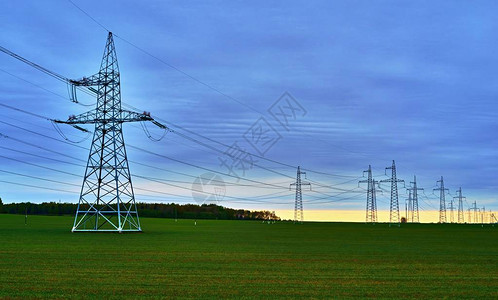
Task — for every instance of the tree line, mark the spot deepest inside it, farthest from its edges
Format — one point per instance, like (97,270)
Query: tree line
(150,210)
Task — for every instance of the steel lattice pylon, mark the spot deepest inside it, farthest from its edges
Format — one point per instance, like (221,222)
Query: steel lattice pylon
(107,201)
(298,205)
(413,206)
(442,201)
(460,198)
(371,213)
(394,205)
(451,207)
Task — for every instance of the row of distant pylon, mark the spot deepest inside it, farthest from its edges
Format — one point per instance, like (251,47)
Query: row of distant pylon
(412,210)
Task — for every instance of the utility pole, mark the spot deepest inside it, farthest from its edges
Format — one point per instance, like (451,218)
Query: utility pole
(394,205)
(298,205)
(442,201)
(371,213)
(451,208)
(107,200)
(460,198)
(413,209)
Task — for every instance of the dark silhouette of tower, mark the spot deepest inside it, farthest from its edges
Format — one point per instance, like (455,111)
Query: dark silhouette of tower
(451,207)
(107,200)
(414,213)
(298,205)
(460,198)
(476,213)
(442,201)
(394,205)
(371,213)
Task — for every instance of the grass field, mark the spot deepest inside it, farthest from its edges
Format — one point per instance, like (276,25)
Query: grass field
(247,259)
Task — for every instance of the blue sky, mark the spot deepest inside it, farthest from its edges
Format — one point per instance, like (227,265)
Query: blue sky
(412,81)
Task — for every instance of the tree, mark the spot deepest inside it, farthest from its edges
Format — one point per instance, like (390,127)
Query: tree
(2,209)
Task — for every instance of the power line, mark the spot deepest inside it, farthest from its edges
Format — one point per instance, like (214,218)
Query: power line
(40,156)
(25,111)
(37,187)
(39,178)
(40,147)
(57,170)
(39,166)
(60,77)
(43,135)
(199,167)
(88,15)
(140,149)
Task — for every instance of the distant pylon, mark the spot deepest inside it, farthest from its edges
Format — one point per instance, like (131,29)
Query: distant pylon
(414,213)
(475,217)
(107,200)
(371,214)
(493,220)
(460,198)
(451,207)
(298,205)
(442,201)
(394,206)
(408,205)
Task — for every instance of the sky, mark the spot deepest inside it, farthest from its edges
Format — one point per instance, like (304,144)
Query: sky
(361,82)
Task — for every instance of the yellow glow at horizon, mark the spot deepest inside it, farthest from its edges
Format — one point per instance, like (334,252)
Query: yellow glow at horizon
(357,216)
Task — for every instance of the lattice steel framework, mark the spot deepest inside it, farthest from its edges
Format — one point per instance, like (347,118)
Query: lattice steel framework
(371,209)
(451,207)
(442,201)
(394,205)
(493,220)
(475,218)
(408,206)
(107,200)
(413,212)
(298,205)
(460,198)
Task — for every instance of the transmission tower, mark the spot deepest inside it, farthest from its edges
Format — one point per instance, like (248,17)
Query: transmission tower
(413,208)
(442,201)
(107,201)
(452,209)
(493,219)
(476,213)
(298,206)
(371,215)
(408,205)
(394,206)
(460,206)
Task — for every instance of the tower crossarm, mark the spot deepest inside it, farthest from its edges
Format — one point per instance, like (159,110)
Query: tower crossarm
(306,183)
(93,80)
(302,183)
(438,189)
(390,180)
(414,187)
(93,116)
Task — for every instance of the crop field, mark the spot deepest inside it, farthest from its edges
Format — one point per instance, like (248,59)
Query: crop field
(247,259)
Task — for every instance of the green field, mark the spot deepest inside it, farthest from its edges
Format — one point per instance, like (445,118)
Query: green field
(247,259)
